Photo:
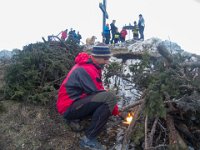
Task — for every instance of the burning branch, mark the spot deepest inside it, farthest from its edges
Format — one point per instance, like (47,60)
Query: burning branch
(131,127)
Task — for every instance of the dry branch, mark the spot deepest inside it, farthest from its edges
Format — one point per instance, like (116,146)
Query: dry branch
(191,64)
(133,55)
(132,105)
(153,130)
(131,127)
(146,141)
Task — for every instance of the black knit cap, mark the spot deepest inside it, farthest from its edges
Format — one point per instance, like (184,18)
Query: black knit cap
(101,50)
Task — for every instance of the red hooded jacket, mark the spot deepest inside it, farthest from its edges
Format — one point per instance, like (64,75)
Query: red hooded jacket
(82,80)
(123,33)
(63,35)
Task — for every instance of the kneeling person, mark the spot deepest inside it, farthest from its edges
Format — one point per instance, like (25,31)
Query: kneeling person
(82,94)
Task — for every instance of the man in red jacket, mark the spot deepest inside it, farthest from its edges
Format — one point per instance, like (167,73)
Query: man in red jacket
(82,94)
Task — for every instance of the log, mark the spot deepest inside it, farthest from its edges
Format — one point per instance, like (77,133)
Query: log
(133,55)
(175,140)
(182,128)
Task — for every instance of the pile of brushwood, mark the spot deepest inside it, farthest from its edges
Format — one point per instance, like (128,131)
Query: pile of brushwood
(35,73)
(167,115)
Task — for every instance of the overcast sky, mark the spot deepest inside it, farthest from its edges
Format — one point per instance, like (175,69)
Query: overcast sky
(27,21)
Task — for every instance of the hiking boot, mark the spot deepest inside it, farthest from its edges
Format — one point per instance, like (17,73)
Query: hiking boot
(91,144)
(141,39)
(75,125)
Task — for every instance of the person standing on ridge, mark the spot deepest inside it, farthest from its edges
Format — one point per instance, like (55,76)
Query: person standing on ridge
(141,26)
(70,34)
(106,34)
(135,31)
(116,36)
(113,30)
(82,94)
(64,35)
(79,37)
(123,34)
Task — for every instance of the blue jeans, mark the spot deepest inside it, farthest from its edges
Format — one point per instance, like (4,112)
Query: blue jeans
(141,31)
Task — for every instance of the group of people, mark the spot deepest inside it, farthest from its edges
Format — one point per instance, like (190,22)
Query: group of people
(117,36)
(113,35)
(71,35)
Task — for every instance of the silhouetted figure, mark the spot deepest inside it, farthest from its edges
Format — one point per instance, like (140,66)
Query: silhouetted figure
(113,30)
(70,34)
(135,31)
(78,37)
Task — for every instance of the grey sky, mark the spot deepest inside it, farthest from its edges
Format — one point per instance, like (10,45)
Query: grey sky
(27,21)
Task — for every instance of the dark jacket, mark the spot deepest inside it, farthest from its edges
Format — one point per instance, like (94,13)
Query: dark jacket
(113,28)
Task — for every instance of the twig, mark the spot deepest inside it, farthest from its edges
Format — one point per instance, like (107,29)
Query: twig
(157,147)
(61,78)
(43,75)
(153,130)
(146,141)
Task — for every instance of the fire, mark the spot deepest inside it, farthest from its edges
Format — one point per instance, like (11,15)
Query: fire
(129,118)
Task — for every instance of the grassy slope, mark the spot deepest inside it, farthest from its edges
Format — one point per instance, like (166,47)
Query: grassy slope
(25,126)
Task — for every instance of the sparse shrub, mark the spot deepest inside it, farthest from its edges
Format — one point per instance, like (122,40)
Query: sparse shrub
(36,72)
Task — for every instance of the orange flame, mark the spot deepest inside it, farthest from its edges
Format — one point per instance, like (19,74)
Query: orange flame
(129,118)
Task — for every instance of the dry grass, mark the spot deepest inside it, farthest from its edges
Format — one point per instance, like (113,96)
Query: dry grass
(34,127)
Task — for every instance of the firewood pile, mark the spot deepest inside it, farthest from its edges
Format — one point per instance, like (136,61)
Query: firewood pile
(167,115)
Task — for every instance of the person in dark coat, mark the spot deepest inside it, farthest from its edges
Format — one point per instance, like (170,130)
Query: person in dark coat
(79,37)
(113,30)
